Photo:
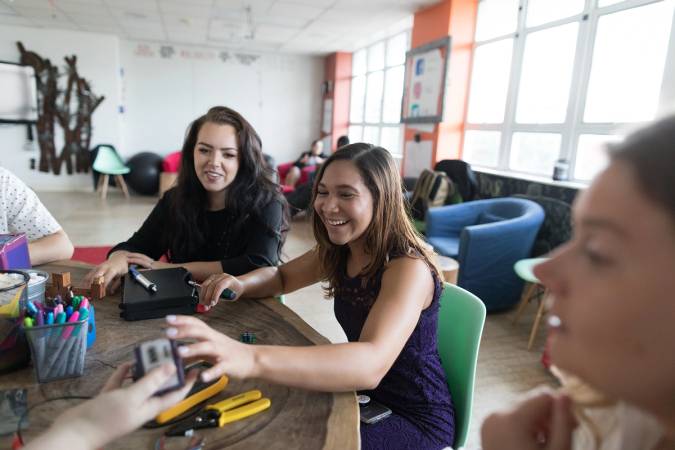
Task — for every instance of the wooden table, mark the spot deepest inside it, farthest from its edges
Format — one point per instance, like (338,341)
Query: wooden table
(296,419)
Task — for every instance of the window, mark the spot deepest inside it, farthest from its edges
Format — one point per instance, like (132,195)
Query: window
(558,79)
(376,93)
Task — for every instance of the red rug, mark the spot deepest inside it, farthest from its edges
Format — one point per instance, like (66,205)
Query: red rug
(91,255)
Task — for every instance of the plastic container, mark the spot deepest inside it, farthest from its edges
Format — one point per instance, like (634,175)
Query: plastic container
(13,293)
(37,285)
(58,350)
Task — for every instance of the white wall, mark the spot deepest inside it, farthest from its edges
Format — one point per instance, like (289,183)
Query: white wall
(278,94)
(667,103)
(98,62)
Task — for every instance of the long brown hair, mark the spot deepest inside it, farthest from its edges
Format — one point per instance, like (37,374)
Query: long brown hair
(390,232)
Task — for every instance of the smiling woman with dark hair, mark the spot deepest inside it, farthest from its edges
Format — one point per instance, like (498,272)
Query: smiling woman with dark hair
(224,215)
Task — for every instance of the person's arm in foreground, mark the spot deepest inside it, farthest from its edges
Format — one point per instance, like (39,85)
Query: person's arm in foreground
(406,287)
(542,422)
(25,213)
(53,247)
(115,412)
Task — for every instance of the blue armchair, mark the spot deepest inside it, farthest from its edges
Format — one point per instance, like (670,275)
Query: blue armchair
(487,237)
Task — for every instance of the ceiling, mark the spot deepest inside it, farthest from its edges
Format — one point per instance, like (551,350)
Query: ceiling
(290,26)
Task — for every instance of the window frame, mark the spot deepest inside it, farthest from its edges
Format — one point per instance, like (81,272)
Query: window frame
(380,125)
(573,126)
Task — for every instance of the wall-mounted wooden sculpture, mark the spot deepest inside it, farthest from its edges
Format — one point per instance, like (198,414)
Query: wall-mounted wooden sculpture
(71,107)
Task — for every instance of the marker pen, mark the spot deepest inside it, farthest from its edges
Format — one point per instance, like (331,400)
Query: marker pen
(32,309)
(140,279)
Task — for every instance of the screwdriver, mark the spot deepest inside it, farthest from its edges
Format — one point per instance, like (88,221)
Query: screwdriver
(227,294)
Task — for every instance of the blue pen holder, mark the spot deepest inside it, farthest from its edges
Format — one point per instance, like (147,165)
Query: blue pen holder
(91,327)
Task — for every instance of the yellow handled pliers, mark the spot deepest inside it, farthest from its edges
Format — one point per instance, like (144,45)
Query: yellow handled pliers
(226,411)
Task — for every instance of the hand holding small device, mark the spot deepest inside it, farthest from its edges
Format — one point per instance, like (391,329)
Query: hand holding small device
(152,354)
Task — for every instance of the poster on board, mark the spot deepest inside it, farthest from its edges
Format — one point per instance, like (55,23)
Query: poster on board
(425,79)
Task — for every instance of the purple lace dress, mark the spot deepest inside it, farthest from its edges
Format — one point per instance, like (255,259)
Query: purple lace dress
(414,388)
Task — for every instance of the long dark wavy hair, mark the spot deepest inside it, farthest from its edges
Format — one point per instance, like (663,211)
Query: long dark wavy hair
(390,232)
(251,190)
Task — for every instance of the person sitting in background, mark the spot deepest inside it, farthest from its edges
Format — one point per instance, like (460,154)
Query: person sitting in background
(224,215)
(341,142)
(611,320)
(386,290)
(300,198)
(311,158)
(113,413)
(22,212)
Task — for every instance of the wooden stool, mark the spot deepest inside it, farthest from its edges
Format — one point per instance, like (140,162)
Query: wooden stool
(534,290)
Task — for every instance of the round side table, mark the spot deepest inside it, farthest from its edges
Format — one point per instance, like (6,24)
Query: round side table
(449,267)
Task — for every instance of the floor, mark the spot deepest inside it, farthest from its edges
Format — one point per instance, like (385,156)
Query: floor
(505,367)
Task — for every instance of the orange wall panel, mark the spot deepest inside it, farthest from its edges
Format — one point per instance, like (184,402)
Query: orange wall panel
(456,18)
(338,72)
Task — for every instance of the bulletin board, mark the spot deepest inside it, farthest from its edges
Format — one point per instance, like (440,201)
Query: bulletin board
(426,68)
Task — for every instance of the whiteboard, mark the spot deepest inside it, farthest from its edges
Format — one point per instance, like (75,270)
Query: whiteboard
(18,102)
(425,81)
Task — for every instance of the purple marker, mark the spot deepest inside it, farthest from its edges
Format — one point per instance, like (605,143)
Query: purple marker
(40,319)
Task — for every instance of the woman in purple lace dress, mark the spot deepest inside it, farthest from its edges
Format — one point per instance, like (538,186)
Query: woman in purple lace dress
(386,290)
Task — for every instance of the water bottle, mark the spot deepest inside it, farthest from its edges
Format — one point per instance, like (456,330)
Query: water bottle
(561,170)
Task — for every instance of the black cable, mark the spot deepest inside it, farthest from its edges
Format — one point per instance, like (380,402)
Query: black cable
(29,409)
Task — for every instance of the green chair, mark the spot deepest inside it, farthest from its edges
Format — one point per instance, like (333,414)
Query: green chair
(108,162)
(460,326)
(281,299)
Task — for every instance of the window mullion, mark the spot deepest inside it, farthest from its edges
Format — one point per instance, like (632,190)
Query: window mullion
(587,32)
(580,74)
(512,94)
(384,90)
